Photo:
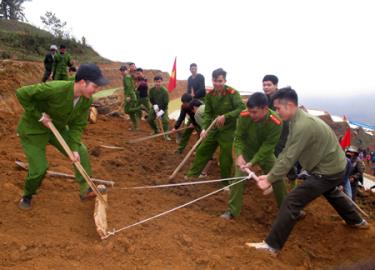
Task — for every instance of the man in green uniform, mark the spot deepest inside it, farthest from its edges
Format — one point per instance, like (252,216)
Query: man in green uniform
(314,144)
(67,104)
(257,134)
(159,98)
(223,105)
(72,73)
(61,63)
(131,107)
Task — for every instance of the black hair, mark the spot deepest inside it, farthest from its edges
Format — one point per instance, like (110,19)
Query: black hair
(123,67)
(158,77)
(62,46)
(257,100)
(131,63)
(186,98)
(72,69)
(139,70)
(287,94)
(195,103)
(217,72)
(271,78)
(193,65)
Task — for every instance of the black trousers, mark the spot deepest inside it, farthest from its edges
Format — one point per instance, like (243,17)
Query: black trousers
(46,75)
(302,195)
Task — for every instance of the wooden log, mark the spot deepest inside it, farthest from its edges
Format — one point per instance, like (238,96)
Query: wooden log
(100,213)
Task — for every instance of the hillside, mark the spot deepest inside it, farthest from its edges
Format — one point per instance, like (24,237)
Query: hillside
(23,41)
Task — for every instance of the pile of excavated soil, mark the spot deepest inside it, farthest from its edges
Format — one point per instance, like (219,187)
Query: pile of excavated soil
(59,232)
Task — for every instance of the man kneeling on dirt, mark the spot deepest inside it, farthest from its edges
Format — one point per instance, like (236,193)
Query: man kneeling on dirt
(67,105)
(313,143)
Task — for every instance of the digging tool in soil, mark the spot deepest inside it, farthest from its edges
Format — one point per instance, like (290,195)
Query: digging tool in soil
(77,164)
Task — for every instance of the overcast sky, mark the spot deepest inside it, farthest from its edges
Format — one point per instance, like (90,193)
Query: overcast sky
(318,47)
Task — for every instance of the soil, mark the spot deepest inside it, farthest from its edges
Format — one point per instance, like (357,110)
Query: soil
(59,232)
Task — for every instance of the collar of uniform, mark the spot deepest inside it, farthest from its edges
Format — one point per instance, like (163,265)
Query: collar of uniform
(221,92)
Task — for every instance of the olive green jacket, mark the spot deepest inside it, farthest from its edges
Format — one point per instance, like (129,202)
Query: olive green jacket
(55,98)
(314,144)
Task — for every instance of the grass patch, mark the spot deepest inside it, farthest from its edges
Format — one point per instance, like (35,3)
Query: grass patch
(105,93)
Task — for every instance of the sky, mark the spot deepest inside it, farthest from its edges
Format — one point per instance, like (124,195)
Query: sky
(320,48)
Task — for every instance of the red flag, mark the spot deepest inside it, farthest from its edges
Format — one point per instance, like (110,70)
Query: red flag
(345,141)
(173,78)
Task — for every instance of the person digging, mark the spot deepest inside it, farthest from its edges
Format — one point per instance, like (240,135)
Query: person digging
(67,105)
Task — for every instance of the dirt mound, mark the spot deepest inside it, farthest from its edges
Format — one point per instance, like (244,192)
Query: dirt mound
(59,233)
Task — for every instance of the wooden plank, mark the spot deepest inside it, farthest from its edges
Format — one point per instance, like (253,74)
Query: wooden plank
(100,213)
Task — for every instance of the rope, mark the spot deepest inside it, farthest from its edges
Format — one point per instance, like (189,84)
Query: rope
(110,233)
(183,184)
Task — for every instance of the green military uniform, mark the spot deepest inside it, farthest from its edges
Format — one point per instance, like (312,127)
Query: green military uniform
(56,99)
(60,66)
(227,102)
(131,107)
(256,142)
(159,97)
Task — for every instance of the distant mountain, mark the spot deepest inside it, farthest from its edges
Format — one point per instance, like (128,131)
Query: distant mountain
(359,108)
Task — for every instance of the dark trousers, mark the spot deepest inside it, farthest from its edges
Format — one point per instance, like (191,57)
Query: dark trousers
(354,187)
(46,75)
(302,195)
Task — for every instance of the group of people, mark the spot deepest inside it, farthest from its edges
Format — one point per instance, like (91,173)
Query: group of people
(58,65)
(269,131)
(272,133)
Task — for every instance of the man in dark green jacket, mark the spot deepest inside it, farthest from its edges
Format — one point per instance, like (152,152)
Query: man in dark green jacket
(314,144)
(257,134)
(159,98)
(223,104)
(66,104)
(61,63)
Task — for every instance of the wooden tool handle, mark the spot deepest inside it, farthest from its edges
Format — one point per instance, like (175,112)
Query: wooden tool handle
(173,175)
(77,164)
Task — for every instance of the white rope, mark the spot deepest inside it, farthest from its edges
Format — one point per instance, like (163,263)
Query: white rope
(184,183)
(110,233)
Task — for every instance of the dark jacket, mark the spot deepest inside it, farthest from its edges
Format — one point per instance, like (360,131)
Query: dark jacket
(197,85)
(182,116)
(48,62)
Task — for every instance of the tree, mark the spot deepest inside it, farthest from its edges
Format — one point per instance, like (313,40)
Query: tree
(12,10)
(54,25)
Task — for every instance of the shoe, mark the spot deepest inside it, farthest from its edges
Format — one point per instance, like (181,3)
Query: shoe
(226,189)
(263,246)
(167,138)
(227,215)
(88,194)
(203,176)
(25,203)
(190,178)
(363,225)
